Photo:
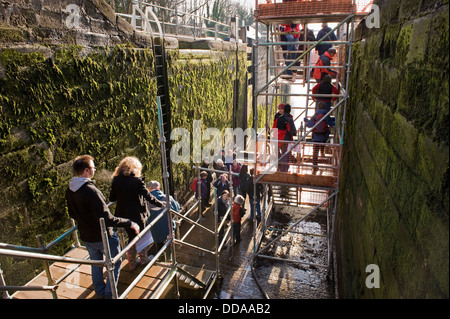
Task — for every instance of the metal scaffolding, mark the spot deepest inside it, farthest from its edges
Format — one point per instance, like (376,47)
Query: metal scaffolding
(301,184)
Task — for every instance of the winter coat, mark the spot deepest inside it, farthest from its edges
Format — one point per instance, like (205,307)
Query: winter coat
(235,179)
(322,48)
(220,186)
(222,206)
(203,189)
(321,137)
(324,60)
(86,204)
(286,127)
(259,189)
(130,195)
(160,230)
(237,211)
(325,88)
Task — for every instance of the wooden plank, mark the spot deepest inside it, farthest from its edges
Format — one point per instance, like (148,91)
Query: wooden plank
(38,294)
(78,285)
(301,179)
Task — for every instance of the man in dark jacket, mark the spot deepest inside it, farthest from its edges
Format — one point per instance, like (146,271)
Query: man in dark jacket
(209,180)
(259,195)
(322,48)
(86,204)
(326,88)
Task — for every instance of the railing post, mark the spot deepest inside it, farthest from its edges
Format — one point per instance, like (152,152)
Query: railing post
(199,193)
(3,283)
(75,234)
(50,280)
(108,259)
(216,230)
(176,20)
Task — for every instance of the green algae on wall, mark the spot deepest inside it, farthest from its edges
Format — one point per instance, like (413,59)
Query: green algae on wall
(202,89)
(98,101)
(53,109)
(393,203)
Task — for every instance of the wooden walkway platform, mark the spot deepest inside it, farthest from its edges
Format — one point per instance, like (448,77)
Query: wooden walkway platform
(78,285)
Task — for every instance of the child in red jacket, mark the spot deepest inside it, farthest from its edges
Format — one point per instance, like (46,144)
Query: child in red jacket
(238,213)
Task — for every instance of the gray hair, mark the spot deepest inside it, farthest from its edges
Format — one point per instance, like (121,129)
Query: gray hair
(239,200)
(153,185)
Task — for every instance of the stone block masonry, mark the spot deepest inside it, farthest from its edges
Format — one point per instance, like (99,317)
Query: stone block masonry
(393,203)
(66,92)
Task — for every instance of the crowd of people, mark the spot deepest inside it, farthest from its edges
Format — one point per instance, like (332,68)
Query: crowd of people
(292,34)
(230,193)
(322,92)
(137,205)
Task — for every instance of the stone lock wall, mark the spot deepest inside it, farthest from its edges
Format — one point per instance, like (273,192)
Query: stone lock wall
(393,203)
(66,92)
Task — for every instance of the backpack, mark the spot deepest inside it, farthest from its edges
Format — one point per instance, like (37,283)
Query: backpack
(194,185)
(322,127)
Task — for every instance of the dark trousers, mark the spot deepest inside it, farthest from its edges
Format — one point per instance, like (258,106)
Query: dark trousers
(316,149)
(237,231)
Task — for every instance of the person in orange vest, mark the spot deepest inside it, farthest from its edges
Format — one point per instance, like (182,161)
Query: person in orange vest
(325,61)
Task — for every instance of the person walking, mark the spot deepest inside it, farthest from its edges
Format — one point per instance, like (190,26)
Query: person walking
(286,132)
(86,205)
(325,87)
(259,193)
(161,230)
(324,63)
(222,208)
(238,213)
(129,192)
(321,132)
(322,48)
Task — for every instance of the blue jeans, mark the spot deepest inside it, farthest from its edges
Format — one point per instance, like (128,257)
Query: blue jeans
(258,208)
(96,253)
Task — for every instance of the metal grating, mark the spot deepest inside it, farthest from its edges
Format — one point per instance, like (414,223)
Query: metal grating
(270,9)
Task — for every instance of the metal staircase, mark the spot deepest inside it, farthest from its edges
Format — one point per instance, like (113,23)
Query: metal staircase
(302,185)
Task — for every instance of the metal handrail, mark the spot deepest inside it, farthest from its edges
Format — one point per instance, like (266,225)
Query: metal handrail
(177,25)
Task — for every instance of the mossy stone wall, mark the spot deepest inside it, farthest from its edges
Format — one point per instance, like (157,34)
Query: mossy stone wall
(393,202)
(61,100)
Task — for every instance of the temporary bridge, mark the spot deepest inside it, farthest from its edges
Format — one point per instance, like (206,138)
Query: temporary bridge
(286,78)
(68,276)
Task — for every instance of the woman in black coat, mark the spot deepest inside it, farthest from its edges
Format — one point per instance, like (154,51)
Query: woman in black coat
(129,192)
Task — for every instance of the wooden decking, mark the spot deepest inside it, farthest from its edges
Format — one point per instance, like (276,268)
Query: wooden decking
(78,285)
(298,12)
(321,178)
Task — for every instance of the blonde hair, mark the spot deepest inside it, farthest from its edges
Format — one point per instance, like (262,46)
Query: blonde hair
(130,165)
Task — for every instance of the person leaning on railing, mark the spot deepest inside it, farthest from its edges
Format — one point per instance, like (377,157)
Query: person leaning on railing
(86,205)
(129,192)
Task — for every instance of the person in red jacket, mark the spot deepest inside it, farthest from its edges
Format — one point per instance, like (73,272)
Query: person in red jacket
(286,130)
(325,87)
(325,61)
